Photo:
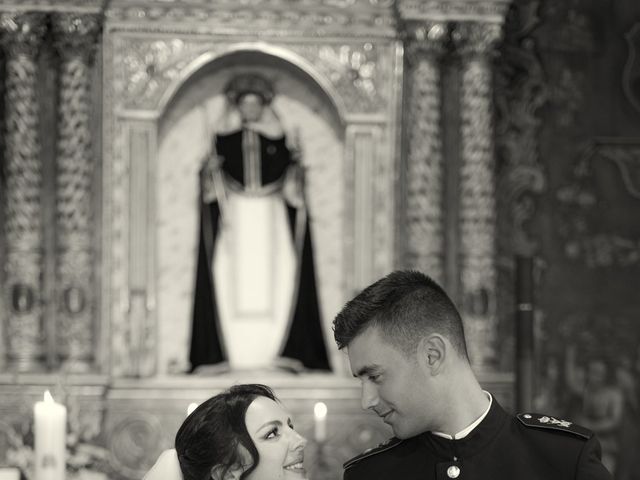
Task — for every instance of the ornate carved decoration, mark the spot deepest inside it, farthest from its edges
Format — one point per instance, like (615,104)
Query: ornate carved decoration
(21,37)
(75,37)
(521,90)
(570,27)
(477,190)
(354,70)
(22,33)
(425,38)
(453,10)
(473,38)
(270,17)
(116,181)
(132,440)
(84,6)
(143,69)
(579,201)
(424,177)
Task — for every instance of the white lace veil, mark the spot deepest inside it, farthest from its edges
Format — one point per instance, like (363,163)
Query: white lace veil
(166,467)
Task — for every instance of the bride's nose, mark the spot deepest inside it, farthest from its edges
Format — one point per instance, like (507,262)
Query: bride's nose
(298,442)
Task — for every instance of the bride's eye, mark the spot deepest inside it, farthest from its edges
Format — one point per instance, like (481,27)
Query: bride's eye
(273,433)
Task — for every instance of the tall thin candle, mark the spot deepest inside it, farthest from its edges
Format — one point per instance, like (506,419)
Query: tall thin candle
(320,415)
(50,429)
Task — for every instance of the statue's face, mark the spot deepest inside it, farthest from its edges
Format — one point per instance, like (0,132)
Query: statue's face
(250,106)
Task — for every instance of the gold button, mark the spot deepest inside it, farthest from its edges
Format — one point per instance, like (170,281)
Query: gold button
(453,471)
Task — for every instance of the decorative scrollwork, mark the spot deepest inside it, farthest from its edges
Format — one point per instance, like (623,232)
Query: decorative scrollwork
(76,34)
(475,38)
(477,189)
(425,38)
(421,9)
(424,203)
(355,69)
(21,33)
(21,37)
(580,207)
(361,17)
(521,90)
(75,40)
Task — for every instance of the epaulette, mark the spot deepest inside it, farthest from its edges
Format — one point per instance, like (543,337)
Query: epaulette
(537,420)
(383,447)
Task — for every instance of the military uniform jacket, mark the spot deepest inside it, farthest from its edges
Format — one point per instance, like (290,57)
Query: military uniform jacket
(526,447)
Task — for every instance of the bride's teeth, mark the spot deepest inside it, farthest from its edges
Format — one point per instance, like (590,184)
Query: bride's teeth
(291,467)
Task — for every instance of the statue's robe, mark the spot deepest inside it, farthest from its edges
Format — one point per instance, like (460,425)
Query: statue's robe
(254,164)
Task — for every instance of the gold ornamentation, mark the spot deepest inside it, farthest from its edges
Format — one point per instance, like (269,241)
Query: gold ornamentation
(363,18)
(75,40)
(477,190)
(423,38)
(76,34)
(424,177)
(521,90)
(579,203)
(475,38)
(354,70)
(21,37)
(22,33)
(451,10)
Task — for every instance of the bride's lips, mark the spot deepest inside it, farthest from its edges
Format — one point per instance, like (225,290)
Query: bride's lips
(295,464)
(296,467)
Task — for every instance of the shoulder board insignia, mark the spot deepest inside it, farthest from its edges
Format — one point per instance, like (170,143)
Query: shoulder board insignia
(383,447)
(537,420)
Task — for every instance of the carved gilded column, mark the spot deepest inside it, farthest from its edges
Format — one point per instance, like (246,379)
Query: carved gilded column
(475,42)
(75,36)
(21,39)
(424,172)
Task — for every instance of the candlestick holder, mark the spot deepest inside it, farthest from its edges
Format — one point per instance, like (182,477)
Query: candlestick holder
(322,470)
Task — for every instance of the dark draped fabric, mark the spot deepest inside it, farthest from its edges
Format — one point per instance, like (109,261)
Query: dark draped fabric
(304,340)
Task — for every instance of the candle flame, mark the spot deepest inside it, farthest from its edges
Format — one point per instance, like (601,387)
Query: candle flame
(191,408)
(48,398)
(320,410)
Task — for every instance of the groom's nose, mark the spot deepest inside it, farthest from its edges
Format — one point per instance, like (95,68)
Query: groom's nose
(369,395)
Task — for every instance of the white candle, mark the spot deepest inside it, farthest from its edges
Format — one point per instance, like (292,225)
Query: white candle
(320,415)
(50,420)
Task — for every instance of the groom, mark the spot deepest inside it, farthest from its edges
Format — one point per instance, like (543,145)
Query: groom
(405,342)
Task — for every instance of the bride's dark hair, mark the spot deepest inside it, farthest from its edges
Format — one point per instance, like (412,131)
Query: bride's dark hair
(212,434)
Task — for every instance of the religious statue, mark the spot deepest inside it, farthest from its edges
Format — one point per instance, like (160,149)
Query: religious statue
(256,301)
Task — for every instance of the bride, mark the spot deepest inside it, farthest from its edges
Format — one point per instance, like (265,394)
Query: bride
(243,433)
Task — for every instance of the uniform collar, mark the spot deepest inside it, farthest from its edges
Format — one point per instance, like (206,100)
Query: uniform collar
(475,440)
(466,431)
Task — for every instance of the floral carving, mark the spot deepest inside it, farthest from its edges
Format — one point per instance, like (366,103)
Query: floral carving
(424,178)
(580,208)
(357,71)
(21,37)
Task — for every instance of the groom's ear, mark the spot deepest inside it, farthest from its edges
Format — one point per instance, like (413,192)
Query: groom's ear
(219,472)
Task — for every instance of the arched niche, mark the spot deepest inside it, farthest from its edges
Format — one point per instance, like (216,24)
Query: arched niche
(184,131)
(161,99)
